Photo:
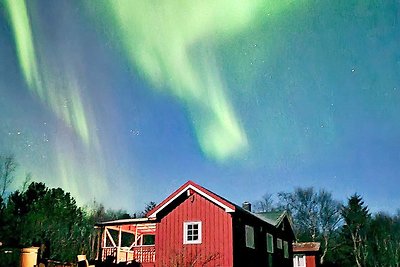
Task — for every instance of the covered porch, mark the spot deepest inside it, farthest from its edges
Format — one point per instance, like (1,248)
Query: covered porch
(127,241)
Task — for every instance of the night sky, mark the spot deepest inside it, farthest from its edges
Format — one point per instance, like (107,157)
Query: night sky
(124,101)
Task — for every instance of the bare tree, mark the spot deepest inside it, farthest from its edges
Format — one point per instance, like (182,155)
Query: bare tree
(330,219)
(8,166)
(265,204)
(27,181)
(317,215)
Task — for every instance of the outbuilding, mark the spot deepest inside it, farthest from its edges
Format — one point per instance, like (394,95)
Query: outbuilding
(306,254)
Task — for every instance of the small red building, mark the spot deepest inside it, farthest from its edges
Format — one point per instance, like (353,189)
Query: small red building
(196,227)
(306,254)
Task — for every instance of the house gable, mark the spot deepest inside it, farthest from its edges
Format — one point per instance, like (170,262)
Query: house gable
(285,224)
(280,219)
(214,233)
(189,188)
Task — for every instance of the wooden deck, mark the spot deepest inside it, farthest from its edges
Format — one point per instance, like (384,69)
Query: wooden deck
(142,254)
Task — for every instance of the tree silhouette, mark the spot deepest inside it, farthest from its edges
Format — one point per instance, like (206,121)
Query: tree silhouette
(266,204)
(356,217)
(48,218)
(384,240)
(316,215)
(8,166)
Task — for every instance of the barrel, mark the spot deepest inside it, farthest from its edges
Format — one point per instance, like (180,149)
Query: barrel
(29,257)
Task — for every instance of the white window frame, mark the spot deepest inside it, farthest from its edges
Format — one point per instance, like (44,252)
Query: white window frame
(270,249)
(186,235)
(286,249)
(279,243)
(249,236)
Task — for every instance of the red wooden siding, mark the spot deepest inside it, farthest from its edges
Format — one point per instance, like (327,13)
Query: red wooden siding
(216,234)
(310,261)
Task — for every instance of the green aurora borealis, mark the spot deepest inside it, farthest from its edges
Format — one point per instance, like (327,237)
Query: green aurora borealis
(126,94)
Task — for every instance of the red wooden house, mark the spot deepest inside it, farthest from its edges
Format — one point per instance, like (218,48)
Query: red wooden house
(194,225)
(306,254)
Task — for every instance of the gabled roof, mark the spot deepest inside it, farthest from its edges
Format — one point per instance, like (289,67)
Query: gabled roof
(274,217)
(184,189)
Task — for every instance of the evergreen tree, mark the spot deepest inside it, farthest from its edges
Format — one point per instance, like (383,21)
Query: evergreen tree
(356,217)
(48,218)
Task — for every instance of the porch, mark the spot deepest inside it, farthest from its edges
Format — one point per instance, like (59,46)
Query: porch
(143,254)
(130,240)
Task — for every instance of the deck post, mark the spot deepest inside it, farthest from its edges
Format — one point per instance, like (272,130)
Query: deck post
(119,243)
(141,248)
(99,251)
(104,242)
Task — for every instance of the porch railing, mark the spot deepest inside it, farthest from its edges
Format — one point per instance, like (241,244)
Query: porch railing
(145,253)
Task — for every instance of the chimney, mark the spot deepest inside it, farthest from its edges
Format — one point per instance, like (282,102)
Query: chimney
(247,206)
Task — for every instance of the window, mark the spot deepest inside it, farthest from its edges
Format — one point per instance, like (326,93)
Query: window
(286,249)
(279,243)
(192,233)
(249,232)
(149,239)
(299,260)
(270,243)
